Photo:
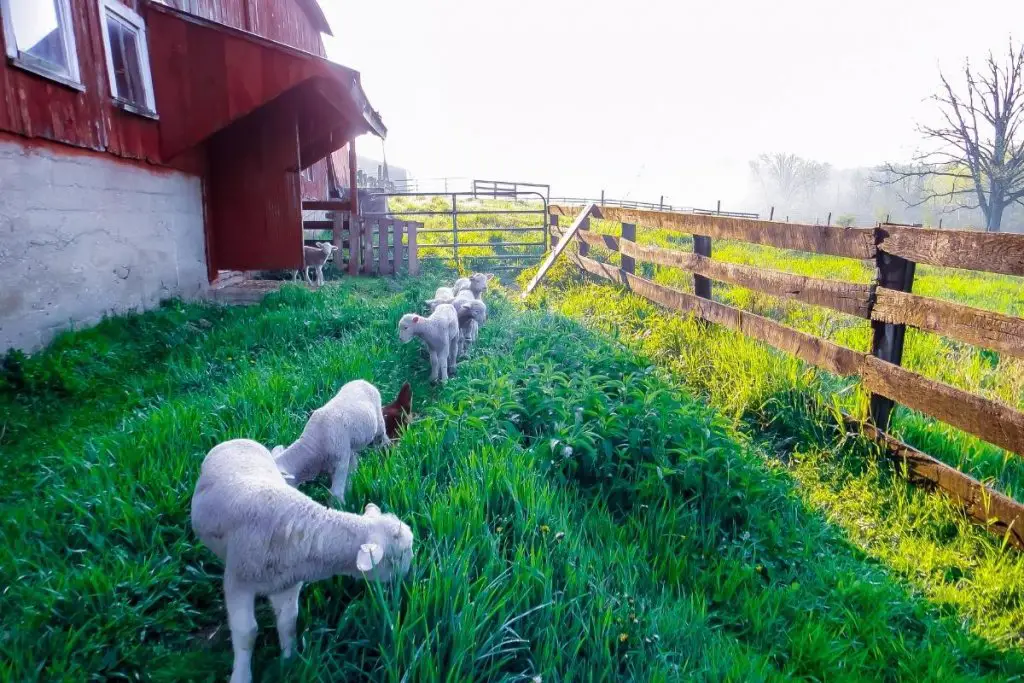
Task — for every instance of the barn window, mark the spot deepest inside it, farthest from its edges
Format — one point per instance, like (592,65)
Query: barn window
(124,36)
(39,37)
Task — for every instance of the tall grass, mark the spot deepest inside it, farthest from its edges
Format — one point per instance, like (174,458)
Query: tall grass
(578,515)
(980,371)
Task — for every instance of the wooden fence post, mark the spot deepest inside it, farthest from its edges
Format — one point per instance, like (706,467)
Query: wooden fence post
(355,233)
(896,273)
(399,256)
(584,247)
(384,250)
(628,262)
(368,245)
(339,224)
(702,285)
(414,256)
(553,218)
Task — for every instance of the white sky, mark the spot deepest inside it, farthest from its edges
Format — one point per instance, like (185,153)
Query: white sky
(647,98)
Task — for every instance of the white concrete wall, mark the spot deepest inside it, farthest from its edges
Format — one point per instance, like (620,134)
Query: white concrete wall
(82,236)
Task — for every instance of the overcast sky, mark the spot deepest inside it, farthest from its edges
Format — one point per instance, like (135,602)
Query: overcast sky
(650,98)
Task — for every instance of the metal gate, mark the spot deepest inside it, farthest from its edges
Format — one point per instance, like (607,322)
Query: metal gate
(493,230)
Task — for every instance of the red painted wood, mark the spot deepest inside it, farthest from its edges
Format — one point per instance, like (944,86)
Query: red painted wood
(255,208)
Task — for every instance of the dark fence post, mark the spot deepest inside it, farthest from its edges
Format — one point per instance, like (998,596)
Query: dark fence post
(584,247)
(628,233)
(549,233)
(702,285)
(896,273)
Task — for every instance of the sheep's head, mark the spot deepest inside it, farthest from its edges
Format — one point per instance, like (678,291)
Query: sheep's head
(328,250)
(387,552)
(407,327)
(471,309)
(397,413)
(478,282)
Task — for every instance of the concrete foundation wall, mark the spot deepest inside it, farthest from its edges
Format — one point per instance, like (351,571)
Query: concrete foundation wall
(85,235)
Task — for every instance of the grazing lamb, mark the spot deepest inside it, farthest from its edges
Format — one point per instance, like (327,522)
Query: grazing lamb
(475,283)
(332,438)
(443,295)
(440,334)
(397,413)
(472,313)
(273,538)
(315,257)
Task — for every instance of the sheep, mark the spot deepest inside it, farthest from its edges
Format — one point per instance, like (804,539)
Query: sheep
(398,412)
(315,257)
(475,283)
(472,313)
(440,334)
(443,295)
(333,436)
(273,538)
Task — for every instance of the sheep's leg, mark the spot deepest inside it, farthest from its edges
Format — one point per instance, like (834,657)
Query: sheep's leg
(242,620)
(339,478)
(320,276)
(435,365)
(305,274)
(286,609)
(295,276)
(453,354)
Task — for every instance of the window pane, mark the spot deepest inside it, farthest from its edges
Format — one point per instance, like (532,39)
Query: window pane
(38,31)
(124,55)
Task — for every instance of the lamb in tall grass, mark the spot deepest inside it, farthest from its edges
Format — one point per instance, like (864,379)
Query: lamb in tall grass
(443,295)
(472,313)
(440,334)
(273,538)
(333,436)
(316,258)
(475,283)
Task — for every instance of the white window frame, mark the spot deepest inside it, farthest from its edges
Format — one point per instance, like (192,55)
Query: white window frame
(40,67)
(130,17)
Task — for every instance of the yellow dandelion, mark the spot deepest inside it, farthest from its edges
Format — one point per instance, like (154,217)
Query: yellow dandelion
(500,529)
(544,528)
(623,637)
(759,569)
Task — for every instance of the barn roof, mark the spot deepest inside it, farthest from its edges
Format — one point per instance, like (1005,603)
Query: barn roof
(316,15)
(207,76)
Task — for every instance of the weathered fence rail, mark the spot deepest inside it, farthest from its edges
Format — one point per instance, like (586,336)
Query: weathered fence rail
(367,245)
(887,302)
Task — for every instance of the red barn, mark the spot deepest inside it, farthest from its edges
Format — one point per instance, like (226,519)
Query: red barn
(146,144)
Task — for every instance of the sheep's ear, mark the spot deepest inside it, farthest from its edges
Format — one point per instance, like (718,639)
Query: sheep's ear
(371,510)
(278,450)
(369,556)
(415,318)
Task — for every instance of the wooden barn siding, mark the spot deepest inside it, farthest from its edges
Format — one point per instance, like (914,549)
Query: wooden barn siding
(316,188)
(283,21)
(36,107)
(254,202)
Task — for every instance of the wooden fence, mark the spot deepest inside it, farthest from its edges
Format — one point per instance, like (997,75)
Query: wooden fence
(887,302)
(367,246)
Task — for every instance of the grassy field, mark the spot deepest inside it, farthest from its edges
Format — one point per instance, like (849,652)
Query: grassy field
(962,365)
(579,514)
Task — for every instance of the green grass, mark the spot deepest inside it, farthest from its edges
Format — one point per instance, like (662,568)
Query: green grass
(980,371)
(578,514)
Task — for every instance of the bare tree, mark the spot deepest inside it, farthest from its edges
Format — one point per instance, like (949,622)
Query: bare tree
(978,155)
(786,177)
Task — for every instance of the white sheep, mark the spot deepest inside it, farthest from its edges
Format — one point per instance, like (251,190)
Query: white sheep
(440,333)
(273,538)
(475,283)
(443,295)
(333,436)
(472,313)
(315,257)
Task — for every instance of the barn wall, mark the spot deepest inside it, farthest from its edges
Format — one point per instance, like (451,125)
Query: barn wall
(283,21)
(84,235)
(37,107)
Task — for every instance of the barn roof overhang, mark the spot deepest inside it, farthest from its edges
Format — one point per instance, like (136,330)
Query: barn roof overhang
(208,76)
